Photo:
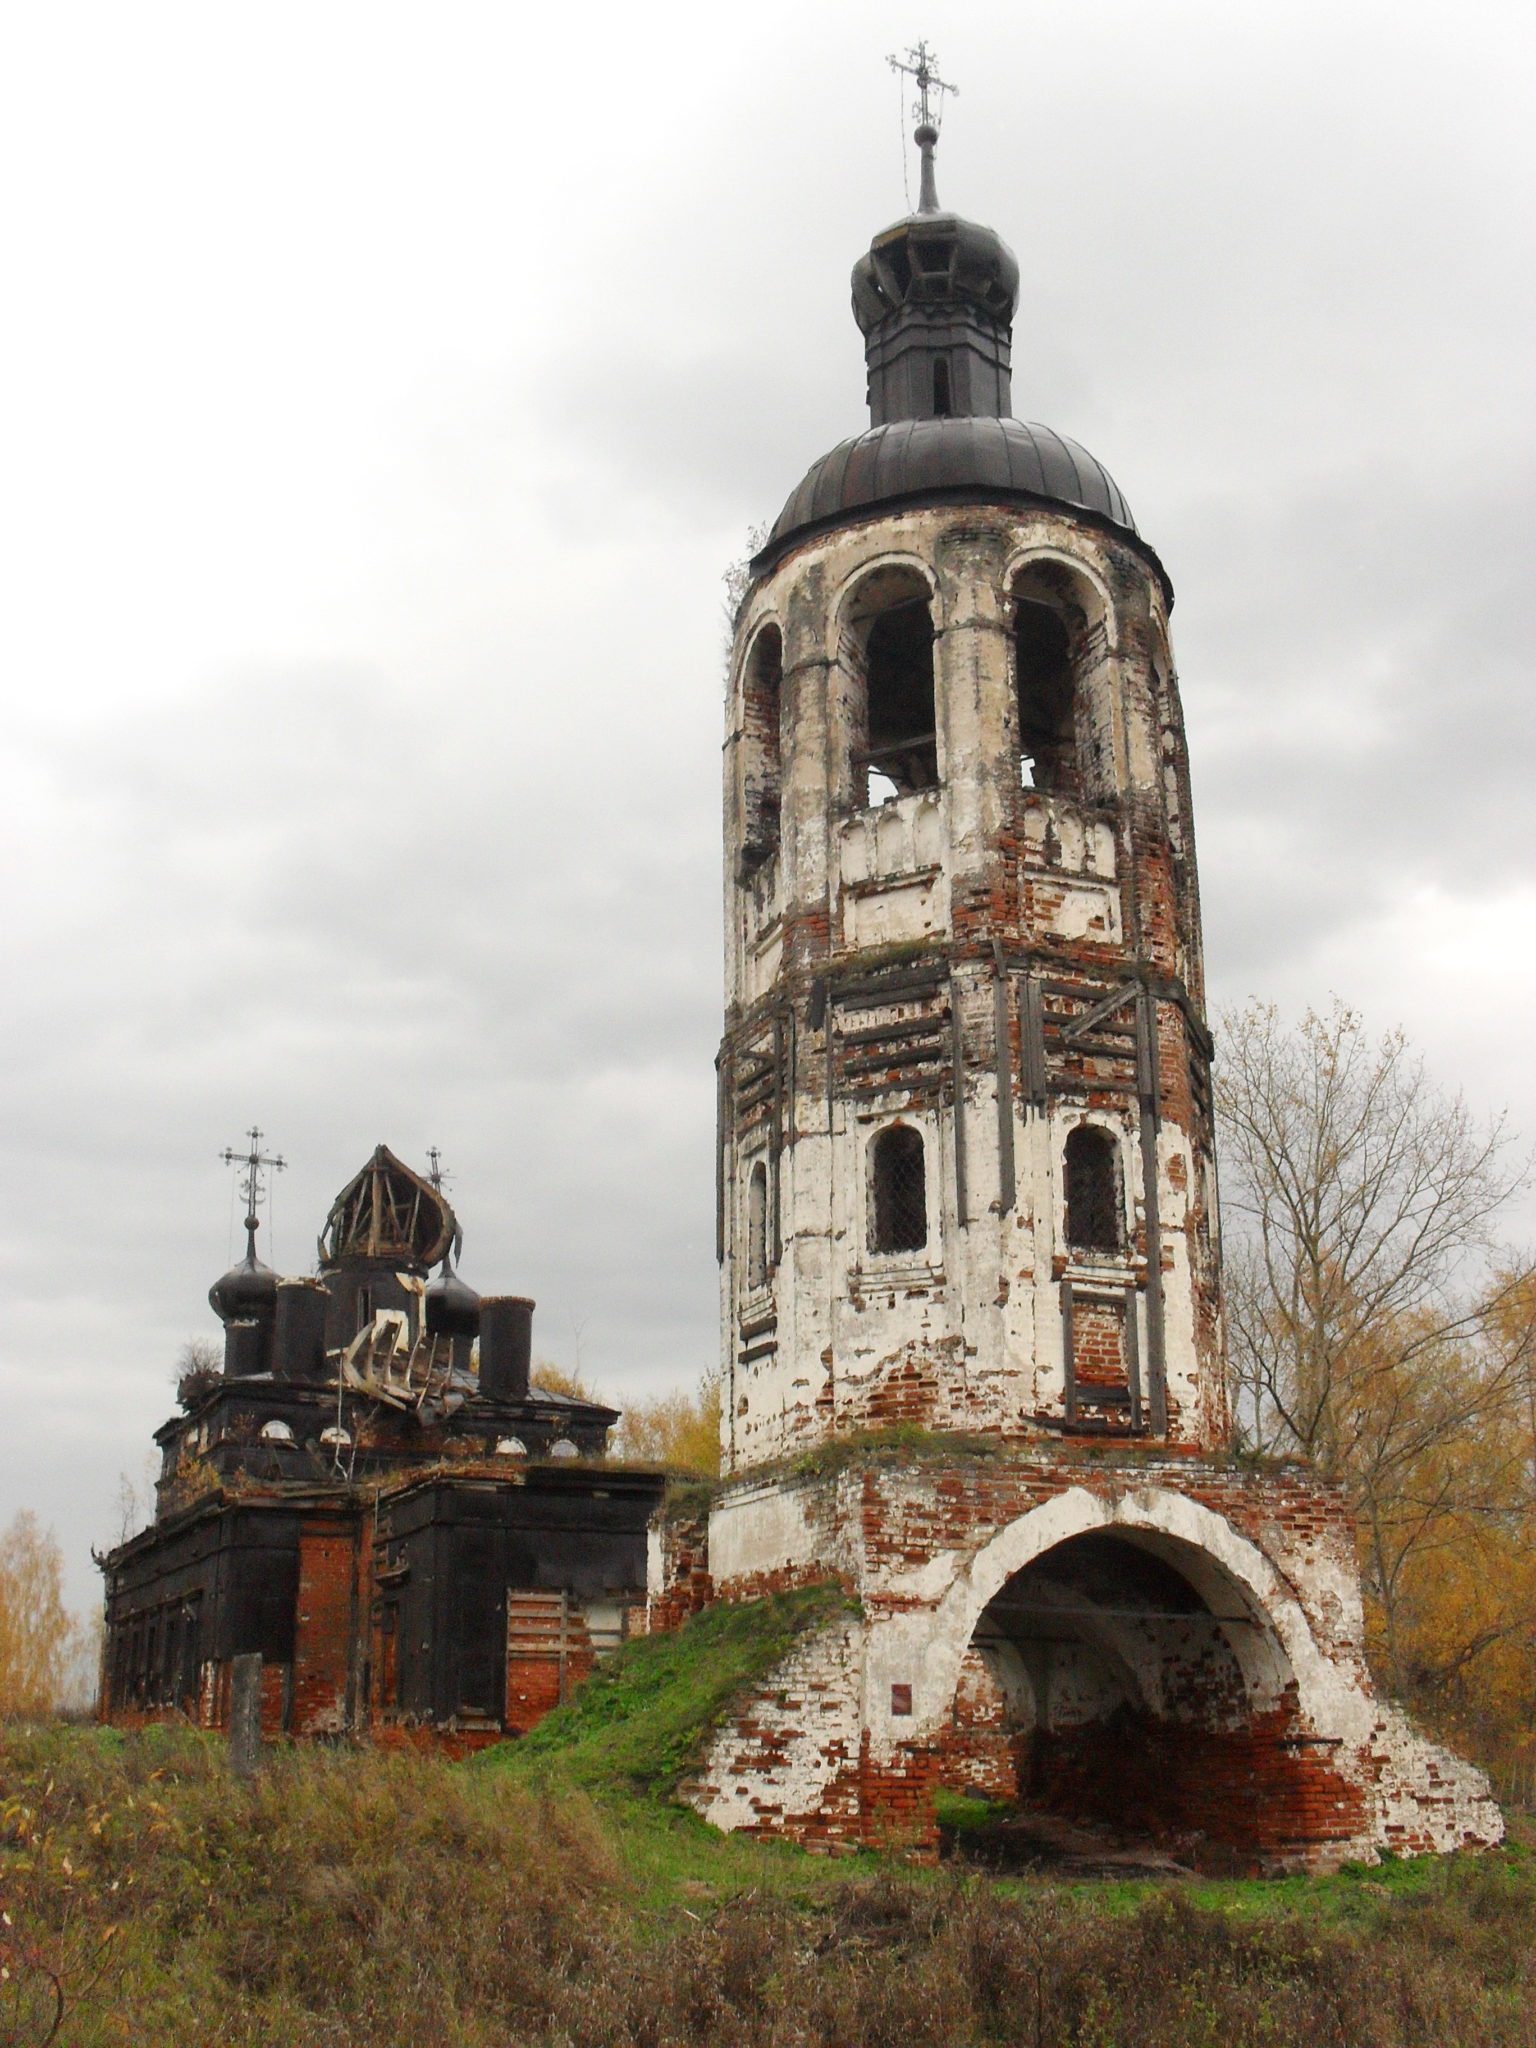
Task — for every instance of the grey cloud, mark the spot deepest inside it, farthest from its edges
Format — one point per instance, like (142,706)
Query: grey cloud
(450,873)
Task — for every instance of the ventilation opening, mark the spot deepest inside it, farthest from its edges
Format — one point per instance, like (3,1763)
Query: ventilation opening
(898,1191)
(762,714)
(941,404)
(757,1227)
(901,754)
(1043,672)
(1093,1190)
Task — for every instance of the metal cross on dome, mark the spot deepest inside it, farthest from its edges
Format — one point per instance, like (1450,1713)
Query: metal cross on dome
(922,65)
(254,1163)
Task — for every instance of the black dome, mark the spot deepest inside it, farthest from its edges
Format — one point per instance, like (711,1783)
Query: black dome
(245,1291)
(930,457)
(451,1305)
(935,258)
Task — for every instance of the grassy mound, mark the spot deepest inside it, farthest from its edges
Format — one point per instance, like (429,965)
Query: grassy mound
(352,1899)
(641,1722)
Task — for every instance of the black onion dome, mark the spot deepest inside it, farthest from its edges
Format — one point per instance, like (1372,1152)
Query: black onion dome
(451,1305)
(925,458)
(245,1291)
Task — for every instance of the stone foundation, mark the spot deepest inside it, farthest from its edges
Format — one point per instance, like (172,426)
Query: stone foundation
(1170,1644)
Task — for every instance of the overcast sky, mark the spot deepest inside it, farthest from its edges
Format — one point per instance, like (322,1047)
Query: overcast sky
(385,389)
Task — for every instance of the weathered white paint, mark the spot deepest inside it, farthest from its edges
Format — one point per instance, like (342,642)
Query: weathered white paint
(1300,1594)
(885,876)
(967,1333)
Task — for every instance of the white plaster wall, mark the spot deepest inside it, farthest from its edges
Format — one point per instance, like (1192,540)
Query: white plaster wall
(923,1614)
(761,1528)
(1421,1795)
(983,1297)
(793,1751)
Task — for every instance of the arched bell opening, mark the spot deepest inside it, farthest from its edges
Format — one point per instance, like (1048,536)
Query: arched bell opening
(1058,634)
(762,713)
(887,653)
(1127,1685)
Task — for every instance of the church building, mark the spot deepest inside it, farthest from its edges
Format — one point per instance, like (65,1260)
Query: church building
(373,1500)
(968,1227)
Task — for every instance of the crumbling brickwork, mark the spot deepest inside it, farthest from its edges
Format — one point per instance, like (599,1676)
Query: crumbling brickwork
(990,963)
(1172,1643)
(966,1173)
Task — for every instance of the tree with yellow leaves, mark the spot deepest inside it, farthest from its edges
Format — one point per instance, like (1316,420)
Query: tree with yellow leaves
(678,1431)
(1378,1328)
(37,1634)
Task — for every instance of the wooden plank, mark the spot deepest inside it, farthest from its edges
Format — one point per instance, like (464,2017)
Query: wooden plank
(1133,1355)
(1003,1043)
(957,1062)
(1146,1063)
(877,1034)
(1032,1039)
(883,1062)
(1116,998)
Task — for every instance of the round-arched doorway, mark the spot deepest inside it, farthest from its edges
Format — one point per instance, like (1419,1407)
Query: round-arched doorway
(1125,1681)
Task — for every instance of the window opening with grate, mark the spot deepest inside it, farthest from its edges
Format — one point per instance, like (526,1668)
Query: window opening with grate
(898,1191)
(1093,1190)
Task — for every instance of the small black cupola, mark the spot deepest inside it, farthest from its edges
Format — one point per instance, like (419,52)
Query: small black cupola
(934,299)
(450,1305)
(247,1292)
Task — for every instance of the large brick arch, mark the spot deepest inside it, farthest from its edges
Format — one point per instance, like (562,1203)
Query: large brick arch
(1218,1562)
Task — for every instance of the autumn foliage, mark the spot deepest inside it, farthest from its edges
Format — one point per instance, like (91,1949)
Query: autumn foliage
(1379,1327)
(39,1639)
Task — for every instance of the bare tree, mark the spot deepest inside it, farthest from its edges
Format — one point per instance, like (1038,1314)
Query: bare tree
(1369,1301)
(1362,1210)
(199,1366)
(737,581)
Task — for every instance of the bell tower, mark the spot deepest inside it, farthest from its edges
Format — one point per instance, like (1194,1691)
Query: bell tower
(969,1255)
(966,1176)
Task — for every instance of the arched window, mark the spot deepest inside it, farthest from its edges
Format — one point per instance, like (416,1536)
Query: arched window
(757,1226)
(762,717)
(898,1191)
(1042,648)
(895,736)
(1093,1190)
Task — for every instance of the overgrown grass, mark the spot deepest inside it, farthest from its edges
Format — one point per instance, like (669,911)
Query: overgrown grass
(641,1722)
(640,1725)
(349,1897)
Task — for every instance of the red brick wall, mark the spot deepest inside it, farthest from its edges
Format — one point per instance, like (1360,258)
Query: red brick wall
(323,1627)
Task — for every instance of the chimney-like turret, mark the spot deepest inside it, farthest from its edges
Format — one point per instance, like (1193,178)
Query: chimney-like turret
(506,1346)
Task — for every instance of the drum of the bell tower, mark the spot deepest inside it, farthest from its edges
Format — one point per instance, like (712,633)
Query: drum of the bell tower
(966,1172)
